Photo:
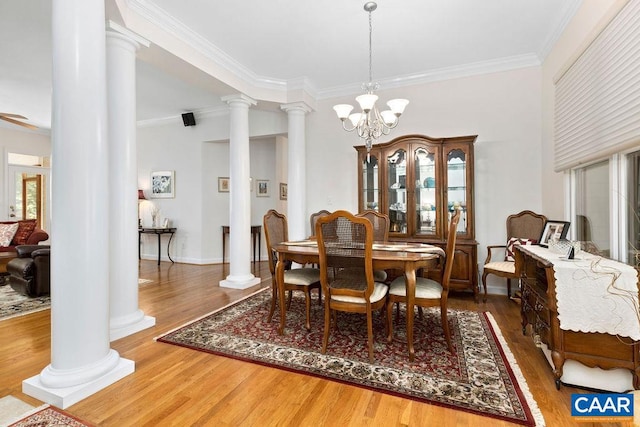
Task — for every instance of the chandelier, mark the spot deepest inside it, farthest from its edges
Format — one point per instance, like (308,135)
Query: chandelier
(371,124)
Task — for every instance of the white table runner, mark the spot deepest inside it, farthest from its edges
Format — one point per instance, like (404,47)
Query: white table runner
(594,294)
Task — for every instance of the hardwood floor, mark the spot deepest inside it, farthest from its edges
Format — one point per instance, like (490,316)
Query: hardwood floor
(174,386)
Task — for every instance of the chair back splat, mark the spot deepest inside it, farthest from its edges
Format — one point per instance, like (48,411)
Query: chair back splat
(380,223)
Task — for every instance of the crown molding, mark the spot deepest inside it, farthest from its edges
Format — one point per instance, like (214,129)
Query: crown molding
(440,74)
(569,11)
(160,18)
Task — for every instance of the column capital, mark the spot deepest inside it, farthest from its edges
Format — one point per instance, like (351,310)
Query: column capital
(118,31)
(296,106)
(239,98)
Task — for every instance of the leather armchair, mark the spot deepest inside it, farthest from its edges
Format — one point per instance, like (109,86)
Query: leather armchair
(29,273)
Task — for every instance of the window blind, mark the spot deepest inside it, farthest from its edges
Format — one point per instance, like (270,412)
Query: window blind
(597,104)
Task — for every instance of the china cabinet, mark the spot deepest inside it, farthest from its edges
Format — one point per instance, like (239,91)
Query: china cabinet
(418,181)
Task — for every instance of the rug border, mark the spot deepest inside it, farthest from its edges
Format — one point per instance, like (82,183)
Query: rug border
(46,406)
(534,415)
(25,313)
(521,383)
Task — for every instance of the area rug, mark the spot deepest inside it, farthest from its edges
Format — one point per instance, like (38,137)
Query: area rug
(13,304)
(49,416)
(482,377)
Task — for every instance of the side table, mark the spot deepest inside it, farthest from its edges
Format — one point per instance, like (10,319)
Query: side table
(158,232)
(256,234)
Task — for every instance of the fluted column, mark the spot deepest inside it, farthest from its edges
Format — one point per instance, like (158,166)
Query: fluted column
(297,217)
(126,316)
(240,276)
(81,361)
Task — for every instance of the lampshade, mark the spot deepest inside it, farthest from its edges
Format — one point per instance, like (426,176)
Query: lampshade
(397,105)
(366,101)
(343,110)
(141,195)
(388,117)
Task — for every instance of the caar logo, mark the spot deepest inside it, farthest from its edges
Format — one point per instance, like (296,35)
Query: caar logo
(600,407)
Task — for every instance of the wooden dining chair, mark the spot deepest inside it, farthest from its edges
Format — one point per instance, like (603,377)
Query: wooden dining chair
(429,293)
(314,218)
(522,228)
(297,279)
(345,243)
(380,223)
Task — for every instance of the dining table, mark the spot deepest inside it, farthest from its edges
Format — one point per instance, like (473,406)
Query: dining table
(408,257)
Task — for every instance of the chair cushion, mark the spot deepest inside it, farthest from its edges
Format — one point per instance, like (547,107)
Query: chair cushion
(505,266)
(425,288)
(516,241)
(7,231)
(379,292)
(302,276)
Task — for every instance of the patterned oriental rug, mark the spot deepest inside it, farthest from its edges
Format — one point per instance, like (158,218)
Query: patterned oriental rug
(50,416)
(13,304)
(482,377)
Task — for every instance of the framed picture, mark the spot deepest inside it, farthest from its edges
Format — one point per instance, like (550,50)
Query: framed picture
(283,191)
(553,230)
(223,184)
(163,184)
(262,188)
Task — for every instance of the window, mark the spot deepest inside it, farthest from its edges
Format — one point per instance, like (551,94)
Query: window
(592,213)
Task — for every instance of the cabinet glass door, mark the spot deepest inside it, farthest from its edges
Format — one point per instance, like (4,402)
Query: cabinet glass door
(425,191)
(370,180)
(457,186)
(397,190)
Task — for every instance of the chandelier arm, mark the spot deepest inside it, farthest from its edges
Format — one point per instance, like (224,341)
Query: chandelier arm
(344,126)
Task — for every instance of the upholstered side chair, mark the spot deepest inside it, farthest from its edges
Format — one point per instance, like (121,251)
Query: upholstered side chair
(345,245)
(297,279)
(429,293)
(523,228)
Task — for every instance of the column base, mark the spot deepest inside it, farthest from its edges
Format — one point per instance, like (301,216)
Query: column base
(240,282)
(67,396)
(121,331)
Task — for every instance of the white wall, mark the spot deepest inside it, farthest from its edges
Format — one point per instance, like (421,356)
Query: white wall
(503,109)
(199,155)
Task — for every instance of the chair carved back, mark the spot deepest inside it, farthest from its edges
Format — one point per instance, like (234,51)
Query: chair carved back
(275,231)
(450,250)
(525,225)
(314,218)
(380,223)
(345,242)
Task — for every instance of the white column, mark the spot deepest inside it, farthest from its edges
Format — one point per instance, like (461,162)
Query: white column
(126,317)
(81,361)
(297,217)
(240,276)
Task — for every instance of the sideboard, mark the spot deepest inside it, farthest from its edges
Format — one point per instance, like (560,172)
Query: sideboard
(577,309)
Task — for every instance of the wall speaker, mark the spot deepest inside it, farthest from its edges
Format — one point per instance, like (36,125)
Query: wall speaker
(188,119)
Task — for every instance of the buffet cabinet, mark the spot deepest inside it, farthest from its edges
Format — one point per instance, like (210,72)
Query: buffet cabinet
(539,313)
(418,181)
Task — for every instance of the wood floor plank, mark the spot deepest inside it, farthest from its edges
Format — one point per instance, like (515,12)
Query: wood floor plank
(174,386)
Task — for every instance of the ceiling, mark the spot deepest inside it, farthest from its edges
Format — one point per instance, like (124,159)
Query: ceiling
(324,44)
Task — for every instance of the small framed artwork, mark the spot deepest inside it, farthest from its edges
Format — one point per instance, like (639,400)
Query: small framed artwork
(163,184)
(283,191)
(166,223)
(262,188)
(553,230)
(223,184)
